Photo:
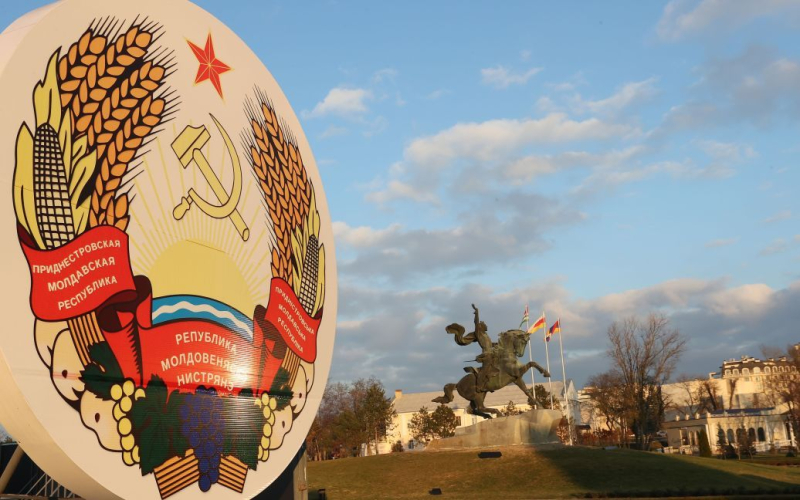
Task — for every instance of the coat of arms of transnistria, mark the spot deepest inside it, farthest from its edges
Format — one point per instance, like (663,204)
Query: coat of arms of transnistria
(177,243)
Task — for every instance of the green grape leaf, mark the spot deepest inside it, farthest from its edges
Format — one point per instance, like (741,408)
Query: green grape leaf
(244,428)
(103,372)
(153,449)
(156,425)
(281,390)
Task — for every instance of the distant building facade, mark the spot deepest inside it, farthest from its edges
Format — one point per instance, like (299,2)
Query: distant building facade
(764,428)
(734,400)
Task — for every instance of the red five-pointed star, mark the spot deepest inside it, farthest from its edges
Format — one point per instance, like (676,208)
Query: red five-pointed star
(210,67)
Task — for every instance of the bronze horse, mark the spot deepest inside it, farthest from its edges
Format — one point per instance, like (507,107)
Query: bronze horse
(499,366)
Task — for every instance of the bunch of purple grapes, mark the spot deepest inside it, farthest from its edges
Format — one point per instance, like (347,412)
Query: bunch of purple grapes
(202,425)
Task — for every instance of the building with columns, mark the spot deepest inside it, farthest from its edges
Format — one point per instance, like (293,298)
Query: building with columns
(766,428)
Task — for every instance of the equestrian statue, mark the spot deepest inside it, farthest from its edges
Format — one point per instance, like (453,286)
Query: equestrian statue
(499,366)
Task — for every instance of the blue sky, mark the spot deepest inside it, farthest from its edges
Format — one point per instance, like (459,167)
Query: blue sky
(594,160)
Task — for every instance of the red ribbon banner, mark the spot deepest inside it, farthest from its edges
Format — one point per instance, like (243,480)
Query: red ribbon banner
(92,273)
(78,277)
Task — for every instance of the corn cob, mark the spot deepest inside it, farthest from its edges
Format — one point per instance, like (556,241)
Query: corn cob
(51,189)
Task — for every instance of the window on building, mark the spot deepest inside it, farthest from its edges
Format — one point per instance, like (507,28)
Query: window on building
(780,368)
(727,372)
(730,436)
(745,371)
(458,421)
(766,370)
(751,433)
(736,371)
(794,368)
(761,435)
(756,370)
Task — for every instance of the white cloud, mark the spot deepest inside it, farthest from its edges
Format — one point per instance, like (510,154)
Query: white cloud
(469,155)
(485,141)
(341,101)
(782,215)
(603,179)
(723,242)
(727,151)
(746,300)
(385,74)
(547,105)
(525,169)
(333,131)
(362,236)
(482,235)
(399,190)
(757,86)
(683,18)
(501,77)
(777,246)
(436,94)
(630,94)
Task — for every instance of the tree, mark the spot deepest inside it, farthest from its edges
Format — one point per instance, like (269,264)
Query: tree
(645,354)
(607,396)
(426,426)
(444,422)
(543,399)
(704,445)
(564,428)
(698,395)
(324,440)
(511,409)
(421,426)
(349,415)
(783,388)
(374,411)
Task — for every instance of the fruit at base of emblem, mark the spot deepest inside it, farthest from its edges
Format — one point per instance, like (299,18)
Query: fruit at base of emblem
(309,369)
(268,404)
(98,415)
(298,401)
(122,395)
(202,425)
(66,368)
(45,333)
(281,427)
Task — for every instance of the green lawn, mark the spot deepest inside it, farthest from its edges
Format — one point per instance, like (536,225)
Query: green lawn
(524,472)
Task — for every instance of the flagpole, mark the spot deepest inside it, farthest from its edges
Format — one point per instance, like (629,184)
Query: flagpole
(564,378)
(530,358)
(547,352)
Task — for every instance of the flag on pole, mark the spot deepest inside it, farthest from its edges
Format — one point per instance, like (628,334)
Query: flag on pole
(538,325)
(525,317)
(556,328)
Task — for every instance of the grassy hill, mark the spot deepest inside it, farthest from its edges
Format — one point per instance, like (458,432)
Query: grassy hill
(562,472)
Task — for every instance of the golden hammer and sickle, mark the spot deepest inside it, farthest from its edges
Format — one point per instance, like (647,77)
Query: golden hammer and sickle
(187,147)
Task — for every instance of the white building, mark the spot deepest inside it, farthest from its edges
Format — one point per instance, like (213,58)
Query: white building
(735,399)
(766,428)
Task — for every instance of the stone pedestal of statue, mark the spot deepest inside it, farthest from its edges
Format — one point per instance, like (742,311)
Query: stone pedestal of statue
(531,427)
